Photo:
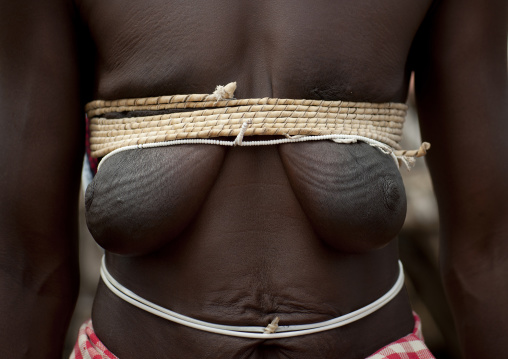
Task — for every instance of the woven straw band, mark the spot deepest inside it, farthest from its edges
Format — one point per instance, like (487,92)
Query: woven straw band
(217,115)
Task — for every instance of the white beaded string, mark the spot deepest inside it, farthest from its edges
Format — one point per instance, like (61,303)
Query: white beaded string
(206,141)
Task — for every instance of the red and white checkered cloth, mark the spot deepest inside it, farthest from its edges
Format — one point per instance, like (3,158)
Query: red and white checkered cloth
(88,346)
(409,347)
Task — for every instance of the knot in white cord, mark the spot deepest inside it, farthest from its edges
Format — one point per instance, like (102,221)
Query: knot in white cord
(293,137)
(352,139)
(408,157)
(225,92)
(272,327)
(239,137)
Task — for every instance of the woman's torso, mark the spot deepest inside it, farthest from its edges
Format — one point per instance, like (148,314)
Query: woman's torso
(240,235)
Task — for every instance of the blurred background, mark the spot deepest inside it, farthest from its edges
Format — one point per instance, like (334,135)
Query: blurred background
(418,251)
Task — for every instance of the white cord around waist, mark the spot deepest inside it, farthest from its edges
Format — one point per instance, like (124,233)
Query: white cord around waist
(254,332)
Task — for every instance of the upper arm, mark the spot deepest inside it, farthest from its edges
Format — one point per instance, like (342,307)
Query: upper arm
(461,88)
(41,139)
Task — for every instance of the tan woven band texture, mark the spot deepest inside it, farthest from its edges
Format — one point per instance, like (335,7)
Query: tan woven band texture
(217,115)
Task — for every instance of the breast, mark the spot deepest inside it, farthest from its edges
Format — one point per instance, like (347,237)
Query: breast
(352,194)
(142,199)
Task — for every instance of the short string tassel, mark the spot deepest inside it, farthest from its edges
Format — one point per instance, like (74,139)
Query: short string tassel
(420,152)
(238,140)
(225,92)
(408,157)
(272,327)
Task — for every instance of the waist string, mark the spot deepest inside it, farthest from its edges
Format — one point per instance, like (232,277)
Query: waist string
(272,331)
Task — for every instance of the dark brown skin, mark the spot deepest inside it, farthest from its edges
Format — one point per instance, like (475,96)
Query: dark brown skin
(302,231)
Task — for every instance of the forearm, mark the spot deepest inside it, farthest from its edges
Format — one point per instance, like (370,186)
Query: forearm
(39,269)
(477,289)
(474,256)
(35,309)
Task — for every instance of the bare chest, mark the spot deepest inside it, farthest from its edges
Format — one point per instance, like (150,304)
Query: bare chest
(292,49)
